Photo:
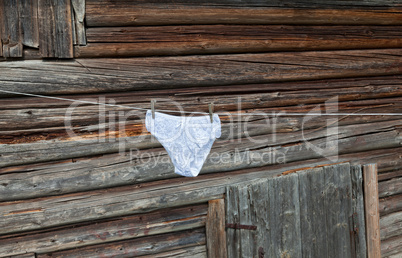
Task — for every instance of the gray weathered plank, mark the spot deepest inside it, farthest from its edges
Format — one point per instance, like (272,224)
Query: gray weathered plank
(79,16)
(11,35)
(47,29)
(313,213)
(64,33)
(232,217)
(392,247)
(390,204)
(29,25)
(359,227)
(390,187)
(338,203)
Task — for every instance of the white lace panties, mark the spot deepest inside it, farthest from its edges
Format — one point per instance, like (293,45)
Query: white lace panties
(188,140)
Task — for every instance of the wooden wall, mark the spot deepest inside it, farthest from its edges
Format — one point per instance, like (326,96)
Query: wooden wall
(274,56)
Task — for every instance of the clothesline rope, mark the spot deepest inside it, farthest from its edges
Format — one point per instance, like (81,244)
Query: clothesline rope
(195,112)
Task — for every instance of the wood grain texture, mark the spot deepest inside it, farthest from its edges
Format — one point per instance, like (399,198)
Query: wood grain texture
(55,29)
(115,170)
(215,229)
(29,25)
(138,247)
(11,34)
(358,233)
(193,252)
(141,13)
(391,247)
(209,39)
(312,211)
(101,232)
(103,75)
(390,204)
(372,210)
(79,25)
(391,225)
(390,187)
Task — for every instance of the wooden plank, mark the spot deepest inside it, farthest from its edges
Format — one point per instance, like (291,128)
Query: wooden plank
(27,255)
(372,210)
(284,216)
(232,217)
(391,225)
(390,187)
(215,229)
(135,13)
(79,16)
(29,25)
(64,36)
(209,39)
(11,35)
(105,75)
(391,247)
(338,203)
(101,232)
(193,252)
(137,247)
(47,28)
(359,226)
(312,213)
(390,204)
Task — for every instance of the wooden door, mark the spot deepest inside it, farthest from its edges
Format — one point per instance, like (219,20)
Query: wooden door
(317,212)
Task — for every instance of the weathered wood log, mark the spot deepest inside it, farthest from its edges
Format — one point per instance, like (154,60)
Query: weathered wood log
(391,225)
(128,200)
(193,252)
(210,39)
(390,204)
(101,232)
(389,175)
(390,187)
(19,115)
(391,247)
(372,211)
(103,75)
(137,247)
(134,167)
(216,229)
(136,13)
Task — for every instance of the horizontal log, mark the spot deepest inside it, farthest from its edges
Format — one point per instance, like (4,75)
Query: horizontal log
(193,252)
(137,247)
(219,39)
(134,13)
(105,75)
(102,232)
(389,175)
(390,204)
(48,212)
(134,167)
(390,187)
(391,247)
(30,114)
(391,225)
